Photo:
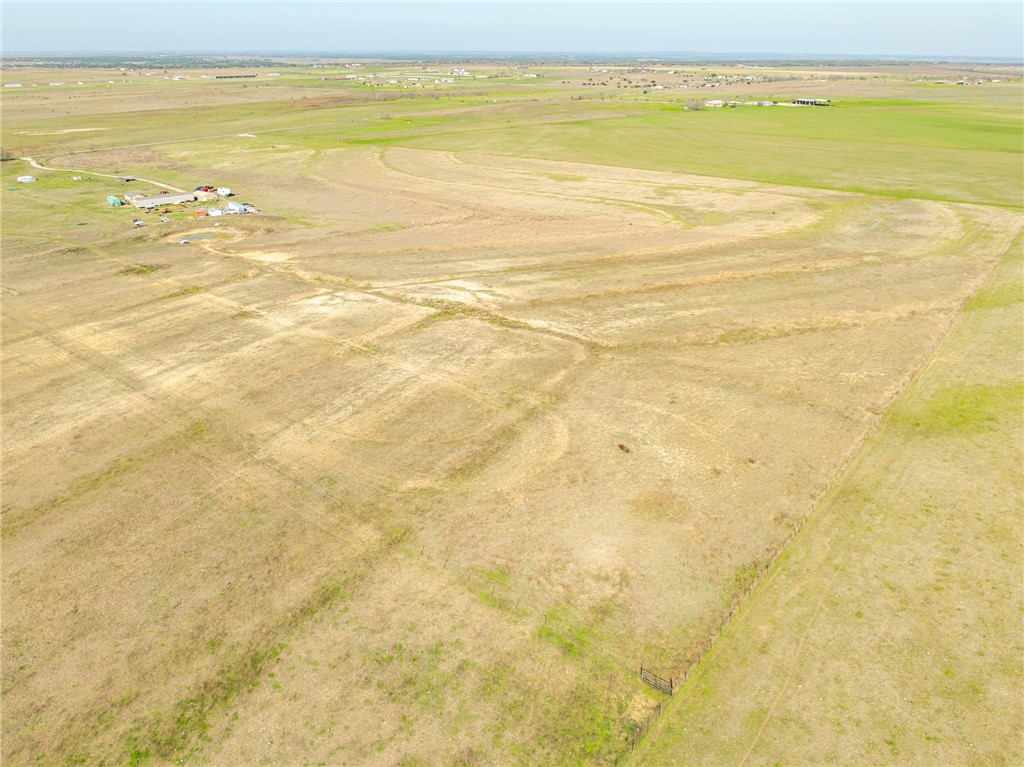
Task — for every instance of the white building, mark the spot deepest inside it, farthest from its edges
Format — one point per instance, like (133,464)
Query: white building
(141,201)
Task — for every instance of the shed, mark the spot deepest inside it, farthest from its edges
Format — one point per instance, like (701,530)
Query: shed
(115,201)
(236,207)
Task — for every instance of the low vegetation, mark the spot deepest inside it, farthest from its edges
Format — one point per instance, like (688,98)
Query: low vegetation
(533,382)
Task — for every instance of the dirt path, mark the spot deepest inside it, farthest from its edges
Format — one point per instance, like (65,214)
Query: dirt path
(40,166)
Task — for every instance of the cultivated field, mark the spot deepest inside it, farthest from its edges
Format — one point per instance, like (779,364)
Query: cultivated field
(513,386)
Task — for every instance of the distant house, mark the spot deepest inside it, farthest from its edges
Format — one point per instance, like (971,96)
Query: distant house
(714,103)
(813,102)
(155,201)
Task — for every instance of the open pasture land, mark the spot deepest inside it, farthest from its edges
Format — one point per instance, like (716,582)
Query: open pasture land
(504,394)
(883,636)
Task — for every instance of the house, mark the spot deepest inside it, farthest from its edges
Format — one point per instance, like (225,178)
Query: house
(813,102)
(155,201)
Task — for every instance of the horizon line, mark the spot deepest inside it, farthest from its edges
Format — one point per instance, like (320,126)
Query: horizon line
(766,55)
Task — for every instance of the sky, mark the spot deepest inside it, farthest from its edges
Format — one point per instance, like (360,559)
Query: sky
(978,29)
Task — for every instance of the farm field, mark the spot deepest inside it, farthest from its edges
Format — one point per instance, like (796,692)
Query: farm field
(886,615)
(513,387)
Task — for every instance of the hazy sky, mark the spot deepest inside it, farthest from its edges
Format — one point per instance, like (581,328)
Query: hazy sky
(983,29)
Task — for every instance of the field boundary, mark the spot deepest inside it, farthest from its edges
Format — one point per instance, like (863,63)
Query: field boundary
(767,571)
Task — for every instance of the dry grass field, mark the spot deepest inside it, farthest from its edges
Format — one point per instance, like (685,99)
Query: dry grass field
(420,464)
(883,637)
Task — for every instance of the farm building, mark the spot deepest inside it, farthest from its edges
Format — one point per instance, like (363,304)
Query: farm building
(114,200)
(813,102)
(235,207)
(140,201)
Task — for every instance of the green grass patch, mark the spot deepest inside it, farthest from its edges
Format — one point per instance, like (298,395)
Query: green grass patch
(142,269)
(916,149)
(962,409)
(567,635)
(998,297)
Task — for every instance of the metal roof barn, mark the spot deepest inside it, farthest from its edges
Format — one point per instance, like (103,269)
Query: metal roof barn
(163,199)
